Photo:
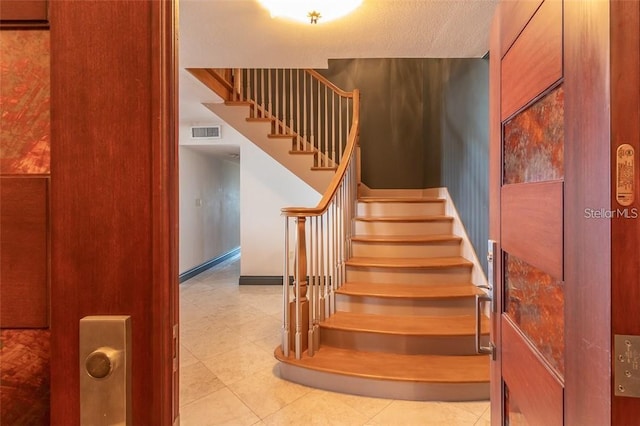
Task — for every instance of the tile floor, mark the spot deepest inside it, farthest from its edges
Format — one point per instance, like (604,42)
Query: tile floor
(228,375)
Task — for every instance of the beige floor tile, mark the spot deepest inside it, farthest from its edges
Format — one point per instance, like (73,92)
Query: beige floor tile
(186,357)
(209,344)
(317,408)
(270,342)
(265,393)
(410,413)
(241,362)
(474,407)
(196,381)
(369,407)
(263,325)
(219,408)
(485,420)
(482,421)
(190,312)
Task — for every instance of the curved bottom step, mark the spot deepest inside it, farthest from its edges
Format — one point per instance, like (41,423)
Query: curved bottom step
(407,377)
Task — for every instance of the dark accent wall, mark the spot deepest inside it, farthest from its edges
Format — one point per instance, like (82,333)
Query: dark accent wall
(464,145)
(425,124)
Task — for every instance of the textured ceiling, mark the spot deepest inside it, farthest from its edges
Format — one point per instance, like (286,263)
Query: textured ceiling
(241,33)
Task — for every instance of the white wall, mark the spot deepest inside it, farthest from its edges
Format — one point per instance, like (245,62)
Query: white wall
(265,188)
(209,207)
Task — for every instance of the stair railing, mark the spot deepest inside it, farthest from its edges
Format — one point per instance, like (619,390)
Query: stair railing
(323,119)
(321,239)
(304,105)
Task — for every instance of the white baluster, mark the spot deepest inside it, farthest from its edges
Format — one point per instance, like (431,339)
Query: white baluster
(322,272)
(297,129)
(270,95)
(311,288)
(286,290)
(277,95)
(263,103)
(333,127)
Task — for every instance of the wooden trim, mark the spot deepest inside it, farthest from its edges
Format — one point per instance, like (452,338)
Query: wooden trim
(514,16)
(165,204)
(24,244)
(213,81)
(532,224)
(535,61)
(527,375)
(587,242)
(323,204)
(262,280)
(625,232)
(495,182)
(208,265)
(24,13)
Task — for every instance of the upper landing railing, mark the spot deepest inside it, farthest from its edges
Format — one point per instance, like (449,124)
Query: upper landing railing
(302,104)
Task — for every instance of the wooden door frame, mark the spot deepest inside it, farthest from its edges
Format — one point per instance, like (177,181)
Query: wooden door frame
(114,193)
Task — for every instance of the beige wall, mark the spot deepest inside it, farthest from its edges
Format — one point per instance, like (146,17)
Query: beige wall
(209,207)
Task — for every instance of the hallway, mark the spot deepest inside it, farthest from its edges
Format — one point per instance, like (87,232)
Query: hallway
(228,374)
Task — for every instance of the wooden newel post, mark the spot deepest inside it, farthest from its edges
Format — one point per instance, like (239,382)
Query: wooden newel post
(299,307)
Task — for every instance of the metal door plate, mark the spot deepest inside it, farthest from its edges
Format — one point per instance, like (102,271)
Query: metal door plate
(627,366)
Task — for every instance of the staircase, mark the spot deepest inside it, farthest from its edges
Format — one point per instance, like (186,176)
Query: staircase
(404,320)
(379,298)
(297,117)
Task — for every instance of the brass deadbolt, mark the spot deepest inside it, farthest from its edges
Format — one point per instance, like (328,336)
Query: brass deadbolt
(101,362)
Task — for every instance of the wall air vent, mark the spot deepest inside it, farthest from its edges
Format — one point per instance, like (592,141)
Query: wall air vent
(205,132)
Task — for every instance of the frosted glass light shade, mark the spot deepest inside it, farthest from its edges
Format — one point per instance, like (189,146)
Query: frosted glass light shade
(303,10)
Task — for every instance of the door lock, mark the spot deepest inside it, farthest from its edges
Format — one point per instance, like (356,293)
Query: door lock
(105,370)
(101,362)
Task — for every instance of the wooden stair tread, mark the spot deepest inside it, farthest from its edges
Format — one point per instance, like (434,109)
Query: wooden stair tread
(430,218)
(385,366)
(410,291)
(407,262)
(238,103)
(401,200)
(328,168)
(298,152)
(281,136)
(409,325)
(405,238)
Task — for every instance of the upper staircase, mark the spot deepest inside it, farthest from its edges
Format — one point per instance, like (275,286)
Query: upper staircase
(404,325)
(297,117)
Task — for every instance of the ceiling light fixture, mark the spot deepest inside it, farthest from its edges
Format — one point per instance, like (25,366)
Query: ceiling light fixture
(313,11)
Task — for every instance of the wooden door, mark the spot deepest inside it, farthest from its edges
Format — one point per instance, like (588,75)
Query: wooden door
(528,166)
(562,373)
(88,193)
(113,193)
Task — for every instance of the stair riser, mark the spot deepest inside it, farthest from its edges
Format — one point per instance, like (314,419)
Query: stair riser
(400,209)
(398,344)
(391,389)
(395,306)
(408,276)
(411,250)
(403,228)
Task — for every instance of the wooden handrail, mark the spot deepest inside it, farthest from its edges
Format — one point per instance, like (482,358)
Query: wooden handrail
(328,195)
(329,84)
